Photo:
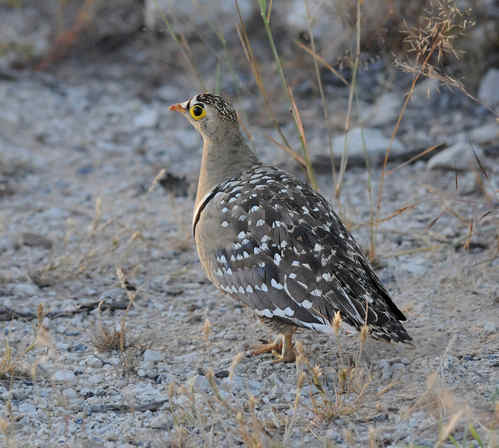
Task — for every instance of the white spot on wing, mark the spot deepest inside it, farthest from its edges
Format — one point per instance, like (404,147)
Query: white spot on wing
(327,276)
(265,312)
(225,224)
(275,284)
(306,304)
(278,312)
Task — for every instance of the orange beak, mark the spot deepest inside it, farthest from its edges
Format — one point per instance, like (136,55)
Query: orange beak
(180,107)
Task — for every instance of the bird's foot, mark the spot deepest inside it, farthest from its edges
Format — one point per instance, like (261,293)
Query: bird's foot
(282,348)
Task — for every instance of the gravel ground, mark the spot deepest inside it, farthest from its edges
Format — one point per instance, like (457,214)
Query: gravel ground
(112,336)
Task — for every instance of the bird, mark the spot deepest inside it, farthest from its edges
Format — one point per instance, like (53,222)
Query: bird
(275,244)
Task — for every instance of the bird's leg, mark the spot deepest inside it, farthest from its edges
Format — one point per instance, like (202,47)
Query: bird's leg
(282,348)
(288,353)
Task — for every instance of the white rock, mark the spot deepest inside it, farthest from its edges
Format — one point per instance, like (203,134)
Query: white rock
(195,13)
(385,110)
(61,346)
(322,14)
(386,369)
(148,118)
(70,393)
(112,294)
(169,93)
(94,379)
(487,133)
(55,213)
(93,362)
(162,421)
(24,289)
(489,88)
(424,91)
(27,409)
(332,434)
(458,157)
(144,391)
(489,327)
(200,383)
(63,376)
(414,265)
(187,138)
(375,143)
(152,356)
(5,244)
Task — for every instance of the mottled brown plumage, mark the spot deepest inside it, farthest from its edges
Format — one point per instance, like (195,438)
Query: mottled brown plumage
(275,244)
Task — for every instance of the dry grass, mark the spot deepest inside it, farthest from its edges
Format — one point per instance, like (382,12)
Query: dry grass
(12,366)
(108,340)
(15,363)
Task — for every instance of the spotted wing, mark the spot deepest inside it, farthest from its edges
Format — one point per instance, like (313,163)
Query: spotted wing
(276,245)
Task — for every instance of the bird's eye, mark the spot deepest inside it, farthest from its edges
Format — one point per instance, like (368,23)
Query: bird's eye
(197,111)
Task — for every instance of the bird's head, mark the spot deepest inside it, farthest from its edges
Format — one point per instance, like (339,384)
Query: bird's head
(212,115)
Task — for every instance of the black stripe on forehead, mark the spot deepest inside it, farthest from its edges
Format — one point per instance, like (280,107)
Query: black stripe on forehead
(223,107)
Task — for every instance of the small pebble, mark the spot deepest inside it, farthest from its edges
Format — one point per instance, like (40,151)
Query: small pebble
(148,118)
(69,393)
(489,327)
(24,289)
(152,356)
(63,375)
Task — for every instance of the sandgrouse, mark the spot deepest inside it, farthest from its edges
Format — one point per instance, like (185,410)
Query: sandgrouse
(274,243)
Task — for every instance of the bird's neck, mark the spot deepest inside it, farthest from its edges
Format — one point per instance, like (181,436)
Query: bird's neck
(222,160)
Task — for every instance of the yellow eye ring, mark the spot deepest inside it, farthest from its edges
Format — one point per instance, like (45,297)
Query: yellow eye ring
(197,111)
